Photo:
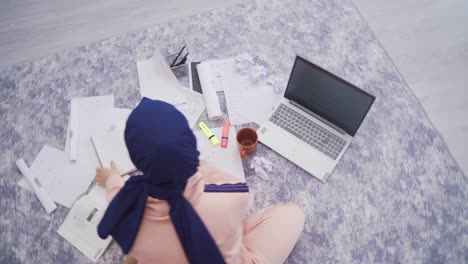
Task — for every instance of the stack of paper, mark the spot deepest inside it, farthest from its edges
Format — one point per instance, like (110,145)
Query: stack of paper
(246,101)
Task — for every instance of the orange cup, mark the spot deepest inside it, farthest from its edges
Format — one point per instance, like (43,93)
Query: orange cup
(247,140)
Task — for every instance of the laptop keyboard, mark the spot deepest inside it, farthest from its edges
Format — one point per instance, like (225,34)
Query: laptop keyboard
(308,131)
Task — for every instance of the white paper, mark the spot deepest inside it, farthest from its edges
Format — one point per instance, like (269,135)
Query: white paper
(80,228)
(193,108)
(258,103)
(262,167)
(227,159)
(74,130)
(36,185)
(63,181)
(247,101)
(234,90)
(218,67)
(158,82)
(94,116)
(110,143)
(99,195)
(207,81)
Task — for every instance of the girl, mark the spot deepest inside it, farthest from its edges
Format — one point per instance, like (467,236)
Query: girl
(180,212)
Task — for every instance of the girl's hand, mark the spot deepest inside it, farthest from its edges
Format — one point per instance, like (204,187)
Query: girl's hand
(102,174)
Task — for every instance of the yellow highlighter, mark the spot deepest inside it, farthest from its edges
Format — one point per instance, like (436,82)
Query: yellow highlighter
(208,133)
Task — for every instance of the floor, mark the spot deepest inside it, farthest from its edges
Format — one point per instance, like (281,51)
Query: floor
(30,29)
(396,196)
(428,42)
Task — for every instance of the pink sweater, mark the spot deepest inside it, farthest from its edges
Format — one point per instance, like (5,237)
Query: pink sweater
(222,213)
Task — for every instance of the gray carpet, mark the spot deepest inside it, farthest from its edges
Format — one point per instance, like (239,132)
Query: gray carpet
(397,195)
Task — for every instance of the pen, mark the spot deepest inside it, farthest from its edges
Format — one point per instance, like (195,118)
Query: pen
(182,61)
(172,65)
(225,137)
(208,134)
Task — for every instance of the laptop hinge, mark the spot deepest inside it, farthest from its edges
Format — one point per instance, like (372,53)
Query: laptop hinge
(318,117)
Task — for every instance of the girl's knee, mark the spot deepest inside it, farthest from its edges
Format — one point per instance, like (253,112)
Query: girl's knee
(293,213)
(297,213)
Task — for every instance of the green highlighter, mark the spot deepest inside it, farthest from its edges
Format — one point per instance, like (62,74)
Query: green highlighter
(208,134)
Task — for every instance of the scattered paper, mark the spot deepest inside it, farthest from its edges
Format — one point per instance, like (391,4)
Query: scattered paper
(99,195)
(80,228)
(258,103)
(247,101)
(63,181)
(158,82)
(235,88)
(193,108)
(94,115)
(36,186)
(74,130)
(227,159)
(110,144)
(262,167)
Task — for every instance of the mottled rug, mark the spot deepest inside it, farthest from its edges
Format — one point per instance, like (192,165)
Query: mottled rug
(397,196)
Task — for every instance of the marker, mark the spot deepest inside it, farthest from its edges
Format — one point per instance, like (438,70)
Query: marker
(208,134)
(225,137)
(178,55)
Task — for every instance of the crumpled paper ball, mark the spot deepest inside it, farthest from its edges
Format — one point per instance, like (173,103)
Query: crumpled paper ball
(278,83)
(262,167)
(253,66)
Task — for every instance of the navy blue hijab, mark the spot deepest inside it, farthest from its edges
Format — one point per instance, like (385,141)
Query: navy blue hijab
(162,146)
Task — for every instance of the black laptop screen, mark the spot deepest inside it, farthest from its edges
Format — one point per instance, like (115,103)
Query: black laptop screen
(328,96)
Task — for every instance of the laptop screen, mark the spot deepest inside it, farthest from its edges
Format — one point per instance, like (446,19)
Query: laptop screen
(328,96)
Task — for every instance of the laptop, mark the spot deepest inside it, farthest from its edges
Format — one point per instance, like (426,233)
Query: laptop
(316,120)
